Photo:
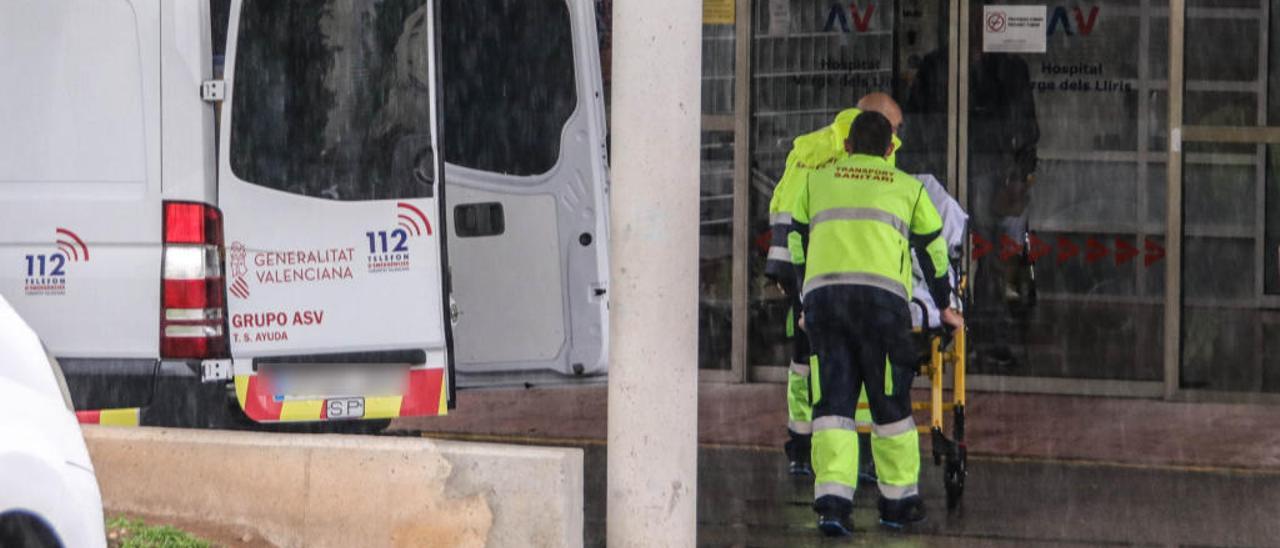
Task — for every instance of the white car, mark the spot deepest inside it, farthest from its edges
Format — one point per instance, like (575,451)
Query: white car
(48,491)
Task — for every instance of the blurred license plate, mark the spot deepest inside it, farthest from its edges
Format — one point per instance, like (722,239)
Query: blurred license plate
(334,383)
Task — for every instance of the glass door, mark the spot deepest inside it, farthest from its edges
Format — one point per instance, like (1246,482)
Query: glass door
(1062,115)
(1227,198)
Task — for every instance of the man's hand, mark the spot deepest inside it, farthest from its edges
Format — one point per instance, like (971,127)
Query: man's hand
(953,318)
(800,322)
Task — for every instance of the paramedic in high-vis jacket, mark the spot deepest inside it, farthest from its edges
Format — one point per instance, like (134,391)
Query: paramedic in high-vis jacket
(854,222)
(809,152)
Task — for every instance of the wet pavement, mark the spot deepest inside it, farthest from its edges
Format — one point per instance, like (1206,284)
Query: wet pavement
(1006,503)
(1132,431)
(746,499)
(1043,470)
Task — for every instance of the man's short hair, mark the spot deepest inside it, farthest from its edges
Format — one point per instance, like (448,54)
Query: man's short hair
(870,134)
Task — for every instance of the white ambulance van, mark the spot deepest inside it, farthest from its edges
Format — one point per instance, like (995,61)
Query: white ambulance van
(298,259)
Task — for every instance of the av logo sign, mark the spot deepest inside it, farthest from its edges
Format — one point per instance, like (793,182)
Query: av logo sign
(861,17)
(1083,23)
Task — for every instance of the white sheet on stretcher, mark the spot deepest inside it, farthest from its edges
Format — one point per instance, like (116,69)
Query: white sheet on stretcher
(954,220)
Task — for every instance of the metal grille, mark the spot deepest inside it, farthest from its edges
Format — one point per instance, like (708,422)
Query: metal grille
(810,60)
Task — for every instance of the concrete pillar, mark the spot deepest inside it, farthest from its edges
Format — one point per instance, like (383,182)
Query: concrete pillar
(653,357)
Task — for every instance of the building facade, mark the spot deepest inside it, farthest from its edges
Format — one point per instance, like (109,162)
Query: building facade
(1153,210)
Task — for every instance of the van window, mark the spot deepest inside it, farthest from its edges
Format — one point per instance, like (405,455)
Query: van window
(508,83)
(219,18)
(72,106)
(331,98)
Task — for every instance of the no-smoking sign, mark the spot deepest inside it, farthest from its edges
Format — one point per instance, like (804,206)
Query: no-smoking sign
(1014,29)
(996,21)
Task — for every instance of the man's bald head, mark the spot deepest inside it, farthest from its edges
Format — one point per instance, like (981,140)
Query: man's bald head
(885,105)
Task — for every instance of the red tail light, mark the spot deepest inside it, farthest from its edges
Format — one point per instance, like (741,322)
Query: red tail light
(193,306)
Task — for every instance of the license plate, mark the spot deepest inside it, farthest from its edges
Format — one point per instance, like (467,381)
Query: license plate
(344,408)
(333,383)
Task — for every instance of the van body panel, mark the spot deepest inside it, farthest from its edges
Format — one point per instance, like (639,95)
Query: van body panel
(543,313)
(532,253)
(328,186)
(80,166)
(187,120)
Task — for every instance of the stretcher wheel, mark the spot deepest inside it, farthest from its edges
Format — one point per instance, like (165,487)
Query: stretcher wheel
(954,473)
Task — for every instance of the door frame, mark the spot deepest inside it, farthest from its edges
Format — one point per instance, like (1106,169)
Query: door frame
(1180,134)
(957,166)
(957,183)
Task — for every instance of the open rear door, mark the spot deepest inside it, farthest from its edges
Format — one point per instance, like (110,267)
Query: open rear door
(329,185)
(524,136)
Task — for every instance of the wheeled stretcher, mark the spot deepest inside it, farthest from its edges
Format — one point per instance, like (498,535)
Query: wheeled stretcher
(947,351)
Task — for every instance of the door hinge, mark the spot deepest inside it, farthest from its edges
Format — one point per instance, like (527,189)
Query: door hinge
(215,370)
(213,91)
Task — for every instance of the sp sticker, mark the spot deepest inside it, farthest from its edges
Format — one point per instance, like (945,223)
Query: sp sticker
(344,408)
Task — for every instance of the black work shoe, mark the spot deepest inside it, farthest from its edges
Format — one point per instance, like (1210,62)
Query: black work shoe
(798,449)
(899,514)
(835,526)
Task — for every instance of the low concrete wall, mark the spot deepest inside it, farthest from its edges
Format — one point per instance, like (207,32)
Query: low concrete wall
(329,490)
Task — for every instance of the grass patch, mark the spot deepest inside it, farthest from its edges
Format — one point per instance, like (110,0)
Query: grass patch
(131,533)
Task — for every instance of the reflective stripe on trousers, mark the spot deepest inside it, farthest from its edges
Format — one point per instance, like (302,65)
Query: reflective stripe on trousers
(831,489)
(896,492)
(896,449)
(894,428)
(780,254)
(833,423)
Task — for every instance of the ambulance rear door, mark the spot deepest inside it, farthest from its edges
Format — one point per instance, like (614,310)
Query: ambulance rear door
(524,144)
(330,189)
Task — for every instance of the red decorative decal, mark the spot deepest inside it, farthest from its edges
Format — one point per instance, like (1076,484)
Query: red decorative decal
(1125,251)
(407,208)
(423,395)
(89,417)
(1066,250)
(84,249)
(1096,251)
(981,247)
(1155,252)
(1039,248)
(1009,248)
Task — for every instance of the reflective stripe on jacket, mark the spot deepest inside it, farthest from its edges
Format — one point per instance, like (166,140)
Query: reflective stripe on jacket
(855,222)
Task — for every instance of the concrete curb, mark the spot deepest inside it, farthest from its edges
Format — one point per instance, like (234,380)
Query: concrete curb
(330,490)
